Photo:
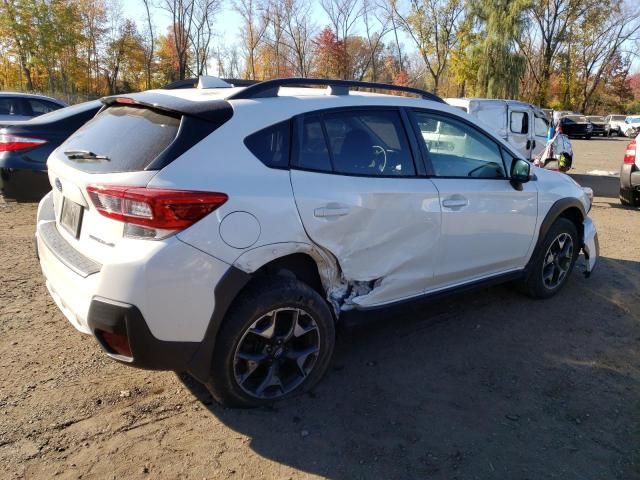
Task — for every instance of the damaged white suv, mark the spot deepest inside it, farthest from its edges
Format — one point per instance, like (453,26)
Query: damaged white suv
(225,231)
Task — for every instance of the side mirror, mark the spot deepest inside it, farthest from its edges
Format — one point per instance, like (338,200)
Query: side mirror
(520,171)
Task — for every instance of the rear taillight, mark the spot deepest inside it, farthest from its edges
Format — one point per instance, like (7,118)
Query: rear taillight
(12,143)
(153,213)
(630,155)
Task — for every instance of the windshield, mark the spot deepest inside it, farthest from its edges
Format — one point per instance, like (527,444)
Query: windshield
(618,118)
(633,120)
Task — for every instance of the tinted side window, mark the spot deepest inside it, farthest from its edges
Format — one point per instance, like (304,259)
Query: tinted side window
(519,122)
(369,143)
(458,150)
(10,106)
(271,145)
(42,106)
(313,153)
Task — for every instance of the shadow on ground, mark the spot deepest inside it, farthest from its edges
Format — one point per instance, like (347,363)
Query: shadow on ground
(485,385)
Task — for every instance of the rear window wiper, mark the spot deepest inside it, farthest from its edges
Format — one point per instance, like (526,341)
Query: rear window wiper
(84,155)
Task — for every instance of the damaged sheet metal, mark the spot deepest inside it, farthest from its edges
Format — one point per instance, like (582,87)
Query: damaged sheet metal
(328,268)
(384,232)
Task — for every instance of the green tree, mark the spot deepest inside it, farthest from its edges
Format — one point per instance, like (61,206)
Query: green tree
(500,67)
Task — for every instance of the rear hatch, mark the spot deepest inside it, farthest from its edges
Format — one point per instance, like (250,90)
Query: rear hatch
(120,150)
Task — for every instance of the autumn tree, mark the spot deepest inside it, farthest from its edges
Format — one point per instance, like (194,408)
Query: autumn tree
(433,26)
(330,55)
(299,31)
(500,67)
(255,24)
(182,16)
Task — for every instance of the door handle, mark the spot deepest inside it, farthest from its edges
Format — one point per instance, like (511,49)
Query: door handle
(455,202)
(327,211)
(528,144)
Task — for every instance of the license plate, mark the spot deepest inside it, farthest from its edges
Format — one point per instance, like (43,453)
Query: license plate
(71,217)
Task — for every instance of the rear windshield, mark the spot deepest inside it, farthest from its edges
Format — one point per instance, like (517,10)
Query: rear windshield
(618,117)
(574,119)
(129,137)
(596,119)
(66,112)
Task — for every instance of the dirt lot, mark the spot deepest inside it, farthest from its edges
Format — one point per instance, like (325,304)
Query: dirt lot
(490,385)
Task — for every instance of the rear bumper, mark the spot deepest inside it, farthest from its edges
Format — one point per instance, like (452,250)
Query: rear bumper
(146,350)
(163,295)
(630,183)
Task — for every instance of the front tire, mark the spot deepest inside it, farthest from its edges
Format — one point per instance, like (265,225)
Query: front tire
(276,341)
(553,260)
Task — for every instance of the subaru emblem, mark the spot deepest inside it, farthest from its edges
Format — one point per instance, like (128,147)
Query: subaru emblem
(58,184)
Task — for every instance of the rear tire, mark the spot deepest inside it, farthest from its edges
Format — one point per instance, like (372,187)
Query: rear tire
(262,354)
(553,260)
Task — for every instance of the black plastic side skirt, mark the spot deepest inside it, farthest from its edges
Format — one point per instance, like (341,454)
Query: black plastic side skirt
(364,314)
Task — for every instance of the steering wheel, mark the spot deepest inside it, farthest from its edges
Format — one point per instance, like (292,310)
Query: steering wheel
(379,152)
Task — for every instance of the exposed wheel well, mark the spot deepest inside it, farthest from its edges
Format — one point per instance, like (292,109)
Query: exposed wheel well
(300,265)
(575,215)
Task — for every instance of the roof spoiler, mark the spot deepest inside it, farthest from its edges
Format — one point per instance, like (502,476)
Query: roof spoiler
(214,110)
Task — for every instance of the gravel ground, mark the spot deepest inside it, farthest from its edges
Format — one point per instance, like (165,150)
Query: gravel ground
(488,385)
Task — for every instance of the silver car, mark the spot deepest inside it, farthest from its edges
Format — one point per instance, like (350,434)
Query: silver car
(23,106)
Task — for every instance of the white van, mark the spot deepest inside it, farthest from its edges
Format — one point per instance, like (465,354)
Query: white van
(523,125)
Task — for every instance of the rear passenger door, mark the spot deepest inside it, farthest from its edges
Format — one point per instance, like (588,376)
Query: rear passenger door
(355,179)
(487,224)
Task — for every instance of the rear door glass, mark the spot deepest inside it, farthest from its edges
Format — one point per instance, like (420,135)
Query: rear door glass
(130,137)
(38,107)
(11,106)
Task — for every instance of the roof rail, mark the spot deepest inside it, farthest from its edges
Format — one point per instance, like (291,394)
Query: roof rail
(193,83)
(270,88)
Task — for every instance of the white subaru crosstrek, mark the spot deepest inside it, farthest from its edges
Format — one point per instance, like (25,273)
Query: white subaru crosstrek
(225,231)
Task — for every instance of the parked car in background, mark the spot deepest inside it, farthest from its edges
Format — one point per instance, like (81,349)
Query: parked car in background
(558,114)
(23,106)
(227,232)
(576,126)
(614,125)
(631,126)
(523,125)
(599,125)
(25,146)
(630,175)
